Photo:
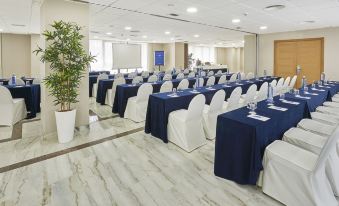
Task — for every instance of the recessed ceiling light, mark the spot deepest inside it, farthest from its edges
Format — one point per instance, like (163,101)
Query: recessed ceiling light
(145,37)
(220,43)
(196,35)
(1,30)
(243,41)
(108,33)
(274,7)
(128,39)
(263,27)
(167,32)
(235,21)
(309,22)
(172,39)
(128,28)
(192,10)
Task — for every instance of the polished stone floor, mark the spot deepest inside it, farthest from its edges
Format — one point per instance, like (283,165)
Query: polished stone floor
(114,163)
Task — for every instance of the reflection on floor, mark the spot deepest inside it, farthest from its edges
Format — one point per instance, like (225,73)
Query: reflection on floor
(115,163)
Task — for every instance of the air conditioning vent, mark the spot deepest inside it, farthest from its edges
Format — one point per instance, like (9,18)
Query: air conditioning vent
(274,7)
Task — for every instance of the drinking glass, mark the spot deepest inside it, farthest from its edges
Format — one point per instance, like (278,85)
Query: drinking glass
(174,91)
(313,85)
(194,87)
(296,92)
(282,96)
(28,83)
(305,89)
(252,106)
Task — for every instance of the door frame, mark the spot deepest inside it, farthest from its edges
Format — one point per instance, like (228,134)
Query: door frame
(296,40)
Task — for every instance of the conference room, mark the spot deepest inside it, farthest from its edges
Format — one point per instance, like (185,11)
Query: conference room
(169,102)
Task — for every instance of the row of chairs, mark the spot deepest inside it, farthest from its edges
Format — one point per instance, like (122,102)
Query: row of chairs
(20,82)
(303,168)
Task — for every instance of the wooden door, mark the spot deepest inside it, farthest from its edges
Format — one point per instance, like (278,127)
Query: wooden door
(308,53)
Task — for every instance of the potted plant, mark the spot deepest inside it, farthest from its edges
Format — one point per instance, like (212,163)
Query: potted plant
(68,61)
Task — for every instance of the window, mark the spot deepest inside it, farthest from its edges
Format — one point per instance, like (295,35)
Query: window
(204,54)
(96,49)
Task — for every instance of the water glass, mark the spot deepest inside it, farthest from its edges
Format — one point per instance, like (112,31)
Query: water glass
(296,92)
(174,91)
(28,83)
(252,106)
(313,85)
(282,96)
(306,89)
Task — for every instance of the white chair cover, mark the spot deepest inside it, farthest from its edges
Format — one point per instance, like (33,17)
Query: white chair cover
(11,110)
(249,96)
(210,73)
(233,78)
(180,76)
(286,84)
(137,80)
(274,83)
(317,127)
(325,118)
(186,71)
(167,86)
(233,101)
(191,75)
(185,128)
(201,82)
(183,84)
(118,75)
(250,75)
(168,72)
(328,110)
(278,88)
(145,74)
(167,77)
(242,75)
(203,73)
(211,113)
(219,72)
(110,94)
(132,75)
(137,106)
(331,104)
(210,81)
(293,81)
(152,78)
(262,93)
(156,72)
(222,79)
(95,85)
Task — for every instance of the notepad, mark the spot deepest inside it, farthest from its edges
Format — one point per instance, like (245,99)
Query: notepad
(298,96)
(238,84)
(195,92)
(290,102)
(210,88)
(278,108)
(258,117)
(227,86)
(173,95)
(314,94)
(321,90)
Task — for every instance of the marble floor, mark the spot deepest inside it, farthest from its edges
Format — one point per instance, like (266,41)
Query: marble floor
(113,163)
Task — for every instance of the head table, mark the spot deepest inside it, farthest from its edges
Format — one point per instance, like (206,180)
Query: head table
(160,105)
(241,140)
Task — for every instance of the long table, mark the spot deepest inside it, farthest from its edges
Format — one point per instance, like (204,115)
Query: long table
(241,141)
(92,80)
(160,105)
(31,94)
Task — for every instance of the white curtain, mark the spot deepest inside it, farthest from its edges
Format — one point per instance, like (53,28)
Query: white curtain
(204,54)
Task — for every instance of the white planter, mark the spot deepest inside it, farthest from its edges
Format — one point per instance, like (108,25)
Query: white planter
(65,125)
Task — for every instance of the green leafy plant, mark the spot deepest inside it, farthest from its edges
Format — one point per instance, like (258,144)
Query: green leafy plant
(68,61)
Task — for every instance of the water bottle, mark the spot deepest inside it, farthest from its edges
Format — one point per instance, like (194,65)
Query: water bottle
(238,77)
(197,81)
(303,82)
(158,77)
(265,73)
(322,77)
(270,94)
(14,79)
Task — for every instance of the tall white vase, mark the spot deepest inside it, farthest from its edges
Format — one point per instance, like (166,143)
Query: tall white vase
(65,125)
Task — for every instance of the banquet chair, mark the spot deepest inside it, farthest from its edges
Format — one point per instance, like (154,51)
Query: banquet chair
(328,110)
(132,75)
(295,176)
(262,93)
(219,72)
(222,79)
(211,112)
(137,80)
(180,76)
(119,75)
(242,76)
(191,75)
(233,102)
(210,81)
(95,85)
(156,72)
(168,72)
(183,84)
(11,110)
(325,118)
(233,78)
(145,74)
(249,96)
(110,94)
(186,71)
(278,89)
(185,127)
(210,73)
(152,78)
(167,86)
(293,81)
(137,106)
(274,83)
(178,71)
(36,81)
(195,70)
(316,127)
(201,82)
(18,82)
(250,75)
(167,77)
(286,84)
(203,73)
(331,104)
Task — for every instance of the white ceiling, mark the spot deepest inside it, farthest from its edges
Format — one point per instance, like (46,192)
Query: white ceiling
(113,15)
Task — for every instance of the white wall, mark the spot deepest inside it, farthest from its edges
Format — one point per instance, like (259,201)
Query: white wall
(331,48)
(250,57)
(35,60)
(232,57)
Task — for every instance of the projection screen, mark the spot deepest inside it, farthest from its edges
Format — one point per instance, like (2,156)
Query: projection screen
(126,56)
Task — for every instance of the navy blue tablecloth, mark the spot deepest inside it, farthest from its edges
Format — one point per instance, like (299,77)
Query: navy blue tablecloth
(31,94)
(4,81)
(160,105)
(98,72)
(125,91)
(103,86)
(92,80)
(241,141)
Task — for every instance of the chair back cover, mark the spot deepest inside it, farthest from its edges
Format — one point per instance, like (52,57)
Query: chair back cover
(293,81)
(186,71)
(222,79)
(156,72)
(201,82)
(167,77)
(280,82)
(137,79)
(167,86)
(196,107)
(102,76)
(250,94)
(152,78)
(217,101)
(219,72)
(262,94)
(286,82)
(6,97)
(233,78)
(210,81)
(274,83)
(180,76)
(191,75)
(118,75)
(145,74)
(117,82)
(233,101)
(203,73)
(20,82)
(132,75)
(210,73)
(250,75)
(183,84)
(242,75)
(144,91)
